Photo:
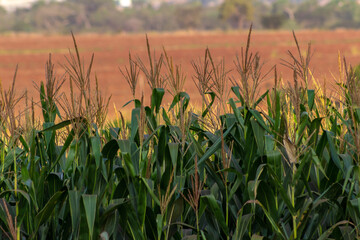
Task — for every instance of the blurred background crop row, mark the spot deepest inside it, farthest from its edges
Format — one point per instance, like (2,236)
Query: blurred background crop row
(115,16)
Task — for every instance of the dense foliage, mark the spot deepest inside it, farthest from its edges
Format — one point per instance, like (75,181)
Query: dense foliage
(283,165)
(147,15)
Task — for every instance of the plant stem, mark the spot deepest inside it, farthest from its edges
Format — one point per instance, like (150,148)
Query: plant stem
(227,207)
(293,204)
(2,159)
(197,225)
(17,202)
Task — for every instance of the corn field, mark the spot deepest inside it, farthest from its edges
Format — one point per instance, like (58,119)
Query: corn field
(280,164)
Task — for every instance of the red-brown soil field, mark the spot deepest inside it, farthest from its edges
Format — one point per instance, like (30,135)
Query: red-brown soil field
(30,53)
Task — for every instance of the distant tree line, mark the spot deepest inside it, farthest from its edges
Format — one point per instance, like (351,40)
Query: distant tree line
(104,16)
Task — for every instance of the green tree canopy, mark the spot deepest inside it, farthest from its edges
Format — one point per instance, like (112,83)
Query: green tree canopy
(237,12)
(94,5)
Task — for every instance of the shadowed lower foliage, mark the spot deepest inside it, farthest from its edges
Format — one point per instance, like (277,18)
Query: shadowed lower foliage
(283,164)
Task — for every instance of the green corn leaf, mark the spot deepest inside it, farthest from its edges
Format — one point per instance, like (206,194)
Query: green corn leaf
(314,130)
(62,124)
(236,185)
(268,197)
(269,106)
(277,113)
(181,96)
(354,207)
(49,135)
(305,217)
(151,119)
(211,202)
(191,237)
(136,101)
(163,139)
(135,118)
(236,91)
(159,225)
(347,232)
(237,112)
(304,167)
(228,119)
(151,192)
(113,132)
(270,219)
(311,228)
(331,193)
(24,143)
(45,213)
(242,224)
(9,158)
(215,147)
(67,143)
(274,161)
(25,176)
(54,182)
(260,120)
(166,117)
(71,156)
(156,99)
(129,165)
(282,191)
(114,205)
(110,149)
(317,162)
(212,95)
(74,203)
(141,203)
(134,227)
(89,202)
(43,101)
(328,232)
(124,146)
(303,124)
(152,135)
(18,191)
(174,151)
(334,155)
(259,134)
(311,98)
(96,148)
(260,99)
(254,184)
(357,114)
(256,237)
(347,178)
